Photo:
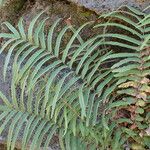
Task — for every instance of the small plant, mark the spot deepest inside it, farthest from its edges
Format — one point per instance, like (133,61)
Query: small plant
(85,93)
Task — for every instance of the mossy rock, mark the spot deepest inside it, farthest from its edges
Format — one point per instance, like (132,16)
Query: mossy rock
(10,9)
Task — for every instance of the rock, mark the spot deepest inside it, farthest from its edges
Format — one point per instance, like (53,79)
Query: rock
(59,9)
(100,6)
(4,85)
(10,9)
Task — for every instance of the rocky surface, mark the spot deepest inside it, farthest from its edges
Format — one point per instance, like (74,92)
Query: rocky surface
(80,11)
(100,6)
(4,85)
(10,10)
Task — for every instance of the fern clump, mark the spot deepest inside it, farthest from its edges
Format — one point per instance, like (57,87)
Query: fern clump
(67,105)
(81,91)
(131,71)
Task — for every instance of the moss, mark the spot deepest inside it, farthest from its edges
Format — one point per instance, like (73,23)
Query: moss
(18,4)
(10,10)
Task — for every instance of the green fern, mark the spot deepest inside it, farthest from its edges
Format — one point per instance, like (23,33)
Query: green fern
(131,71)
(66,105)
(77,91)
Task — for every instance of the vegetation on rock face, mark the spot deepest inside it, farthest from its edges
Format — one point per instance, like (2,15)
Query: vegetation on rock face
(10,10)
(131,72)
(92,94)
(17,4)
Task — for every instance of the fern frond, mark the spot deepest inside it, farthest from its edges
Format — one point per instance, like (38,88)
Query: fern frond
(58,84)
(81,90)
(131,67)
